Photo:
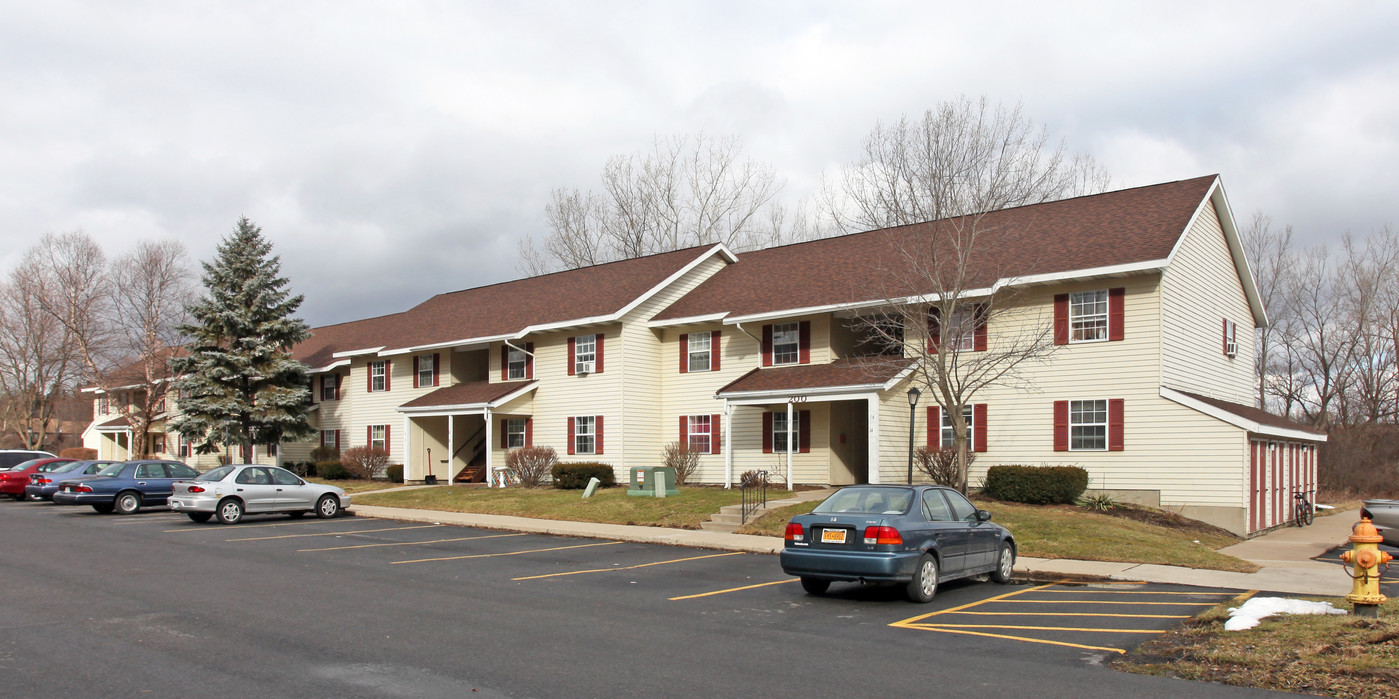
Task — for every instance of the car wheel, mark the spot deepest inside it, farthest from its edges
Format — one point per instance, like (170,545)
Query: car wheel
(328,506)
(127,503)
(199,516)
(230,511)
(1005,563)
(297,515)
(103,509)
(925,580)
(815,586)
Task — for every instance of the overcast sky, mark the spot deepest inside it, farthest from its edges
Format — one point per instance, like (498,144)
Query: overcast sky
(396,150)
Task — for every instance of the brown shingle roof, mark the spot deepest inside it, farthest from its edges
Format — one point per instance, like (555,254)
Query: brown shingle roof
(469,393)
(1257,415)
(1102,230)
(860,371)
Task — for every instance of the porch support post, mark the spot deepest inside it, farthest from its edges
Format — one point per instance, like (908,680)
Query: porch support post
(451,441)
(728,445)
(407,447)
(490,475)
(872,420)
(790,485)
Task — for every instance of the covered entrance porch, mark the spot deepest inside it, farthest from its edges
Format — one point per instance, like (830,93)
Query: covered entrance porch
(449,432)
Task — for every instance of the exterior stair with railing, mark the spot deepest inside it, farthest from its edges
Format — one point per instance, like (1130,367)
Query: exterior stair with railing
(730,517)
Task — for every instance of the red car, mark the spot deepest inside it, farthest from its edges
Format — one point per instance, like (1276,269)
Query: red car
(12,482)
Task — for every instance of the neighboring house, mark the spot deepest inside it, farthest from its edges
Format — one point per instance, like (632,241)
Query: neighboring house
(758,361)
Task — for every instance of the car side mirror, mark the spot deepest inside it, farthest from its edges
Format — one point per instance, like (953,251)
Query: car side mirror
(983,516)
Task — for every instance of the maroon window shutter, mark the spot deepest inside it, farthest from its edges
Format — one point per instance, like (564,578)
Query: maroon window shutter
(436,367)
(570,435)
(597,368)
(934,329)
(934,429)
(529,431)
(714,435)
(504,363)
(529,360)
(1061,425)
(767,432)
(1061,319)
(1116,411)
(1117,312)
(979,337)
(714,348)
(337,385)
(685,430)
(369,436)
(415,372)
(388,373)
(504,433)
(685,353)
(337,440)
(804,341)
(387,432)
(979,427)
(369,376)
(571,355)
(1226,337)
(767,345)
(803,431)
(597,437)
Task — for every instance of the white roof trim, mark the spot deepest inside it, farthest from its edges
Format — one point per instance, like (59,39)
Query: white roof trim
(448,344)
(818,395)
(468,408)
(328,367)
(690,320)
(1237,420)
(356,353)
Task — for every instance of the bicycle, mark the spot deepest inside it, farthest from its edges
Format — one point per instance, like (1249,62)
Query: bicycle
(1306,512)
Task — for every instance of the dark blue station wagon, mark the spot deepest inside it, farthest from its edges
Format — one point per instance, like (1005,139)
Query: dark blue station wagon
(913,535)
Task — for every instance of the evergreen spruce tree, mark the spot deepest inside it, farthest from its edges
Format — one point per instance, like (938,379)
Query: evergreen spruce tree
(238,382)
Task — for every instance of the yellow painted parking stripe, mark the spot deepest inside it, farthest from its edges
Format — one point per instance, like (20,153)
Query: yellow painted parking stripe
(734,589)
(1034,628)
(1019,638)
(201,527)
(1124,616)
(408,543)
(1101,601)
(510,553)
(969,605)
(356,531)
(639,565)
(1135,592)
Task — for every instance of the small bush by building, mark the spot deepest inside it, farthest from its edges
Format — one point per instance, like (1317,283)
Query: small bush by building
(394,473)
(365,462)
(332,470)
(940,465)
(678,457)
(531,465)
(575,475)
(1036,485)
(320,454)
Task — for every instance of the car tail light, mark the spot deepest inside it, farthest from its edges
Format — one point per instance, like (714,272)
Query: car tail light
(794,532)
(882,535)
(195,489)
(43,481)
(82,489)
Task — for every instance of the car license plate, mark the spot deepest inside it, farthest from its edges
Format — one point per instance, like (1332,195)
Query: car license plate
(832,536)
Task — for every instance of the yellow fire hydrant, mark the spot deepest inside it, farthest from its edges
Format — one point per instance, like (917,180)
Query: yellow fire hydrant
(1365,558)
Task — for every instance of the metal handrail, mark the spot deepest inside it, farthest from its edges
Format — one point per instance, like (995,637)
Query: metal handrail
(754,494)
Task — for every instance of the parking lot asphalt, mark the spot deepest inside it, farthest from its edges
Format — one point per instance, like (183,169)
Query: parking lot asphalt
(153,604)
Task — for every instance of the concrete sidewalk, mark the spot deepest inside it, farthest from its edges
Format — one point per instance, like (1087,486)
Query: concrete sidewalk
(1285,554)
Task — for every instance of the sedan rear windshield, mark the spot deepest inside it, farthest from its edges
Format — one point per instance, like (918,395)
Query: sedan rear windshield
(216,474)
(65,466)
(113,470)
(888,501)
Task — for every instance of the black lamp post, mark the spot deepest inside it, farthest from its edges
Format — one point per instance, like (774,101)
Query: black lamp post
(913,394)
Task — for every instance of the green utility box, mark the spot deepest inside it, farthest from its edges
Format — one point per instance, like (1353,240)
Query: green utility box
(644,480)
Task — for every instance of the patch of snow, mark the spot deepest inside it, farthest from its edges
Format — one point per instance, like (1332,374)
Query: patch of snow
(1247,615)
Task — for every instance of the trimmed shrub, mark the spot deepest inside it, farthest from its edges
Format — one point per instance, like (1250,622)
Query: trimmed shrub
(80,453)
(365,462)
(575,475)
(305,469)
(1036,485)
(332,470)
(678,456)
(395,473)
(320,454)
(940,465)
(531,465)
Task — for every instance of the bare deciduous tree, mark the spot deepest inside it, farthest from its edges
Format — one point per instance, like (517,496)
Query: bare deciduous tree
(684,192)
(1272,260)
(38,362)
(1321,343)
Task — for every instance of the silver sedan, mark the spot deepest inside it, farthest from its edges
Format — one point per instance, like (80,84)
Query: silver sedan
(229,492)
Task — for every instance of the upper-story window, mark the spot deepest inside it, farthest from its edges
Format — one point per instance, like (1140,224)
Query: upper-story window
(1231,345)
(1088,316)
(699,351)
(330,387)
(104,405)
(379,376)
(959,332)
(516,364)
(786,343)
(584,356)
(427,369)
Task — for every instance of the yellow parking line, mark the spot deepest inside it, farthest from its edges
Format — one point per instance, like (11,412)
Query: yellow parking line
(408,543)
(357,531)
(997,598)
(1124,616)
(640,565)
(511,553)
(734,589)
(1019,638)
(1135,592)
(1100,601)
(200,527)
(1033,628)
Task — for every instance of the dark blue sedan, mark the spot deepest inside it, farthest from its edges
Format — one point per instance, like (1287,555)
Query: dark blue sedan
(43,485)
(125,487)
(913,535)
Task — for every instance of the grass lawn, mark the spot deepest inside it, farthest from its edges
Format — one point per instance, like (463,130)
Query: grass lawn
(1065,531)
(356,485)
(1339,656)
(609,505)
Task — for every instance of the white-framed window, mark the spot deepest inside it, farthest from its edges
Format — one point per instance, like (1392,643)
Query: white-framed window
(701,433)
(585,435)
(1088,425)
(779,431)
(949,435)
(330,387)
(786,343)
(584,356)
(104,405)
(959,332)
(427,367)
(379,376)
(517,362)
(330,439)
(1231,345)
(186,448)
(700,349)
(378,437)
(1088,316)
(514,433)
